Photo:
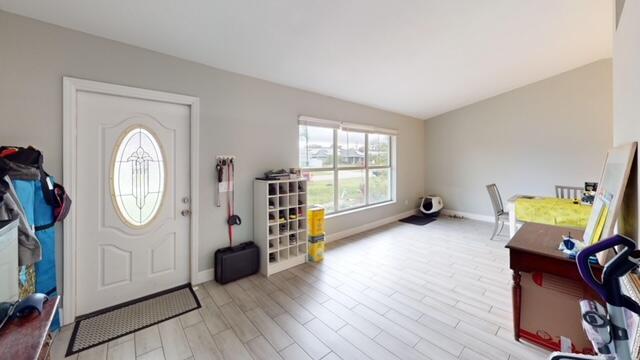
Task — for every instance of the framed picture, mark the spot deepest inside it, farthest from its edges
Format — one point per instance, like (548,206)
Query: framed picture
(608,198)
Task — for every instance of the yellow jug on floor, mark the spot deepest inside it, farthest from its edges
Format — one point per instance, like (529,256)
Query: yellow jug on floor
(316,249)
(316,221)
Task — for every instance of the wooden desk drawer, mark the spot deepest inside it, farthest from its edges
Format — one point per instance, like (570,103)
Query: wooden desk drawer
(530,262)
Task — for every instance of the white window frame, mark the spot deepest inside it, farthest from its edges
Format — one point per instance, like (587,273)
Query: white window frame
(336,168)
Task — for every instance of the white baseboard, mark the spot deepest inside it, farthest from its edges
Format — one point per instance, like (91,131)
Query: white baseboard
(208,275)
(467,215)
(366,227)
(203,276)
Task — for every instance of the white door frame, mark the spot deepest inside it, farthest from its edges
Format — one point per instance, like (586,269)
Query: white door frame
(71,86)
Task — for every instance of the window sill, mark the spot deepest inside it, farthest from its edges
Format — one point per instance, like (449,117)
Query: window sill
(363,208)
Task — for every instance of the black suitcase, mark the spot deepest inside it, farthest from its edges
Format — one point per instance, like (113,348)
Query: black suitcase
(235,262)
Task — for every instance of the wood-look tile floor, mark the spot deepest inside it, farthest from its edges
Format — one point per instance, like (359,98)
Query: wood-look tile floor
(440,291)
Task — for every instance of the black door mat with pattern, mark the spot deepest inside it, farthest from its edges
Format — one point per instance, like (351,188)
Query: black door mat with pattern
(418,220)
(117,321)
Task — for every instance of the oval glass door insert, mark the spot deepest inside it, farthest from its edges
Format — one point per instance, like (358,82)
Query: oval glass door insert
(138,177)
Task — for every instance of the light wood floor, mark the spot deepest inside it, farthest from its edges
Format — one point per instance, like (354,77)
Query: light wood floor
(440,291)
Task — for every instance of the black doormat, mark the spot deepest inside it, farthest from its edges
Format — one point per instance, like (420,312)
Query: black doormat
(117,321)
(418,220)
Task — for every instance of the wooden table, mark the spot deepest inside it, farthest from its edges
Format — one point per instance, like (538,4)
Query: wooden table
(26,338)
(534,248)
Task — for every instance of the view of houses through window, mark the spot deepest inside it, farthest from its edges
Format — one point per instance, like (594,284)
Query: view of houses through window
(345,169)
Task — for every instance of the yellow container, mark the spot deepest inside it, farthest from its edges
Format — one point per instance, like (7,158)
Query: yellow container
(316,221)
(316,251)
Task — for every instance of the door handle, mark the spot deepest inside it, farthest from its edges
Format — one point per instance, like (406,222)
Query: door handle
(185,212)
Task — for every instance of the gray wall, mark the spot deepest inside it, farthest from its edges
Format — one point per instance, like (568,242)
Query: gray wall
(626,99)
(252,119)
(556,131)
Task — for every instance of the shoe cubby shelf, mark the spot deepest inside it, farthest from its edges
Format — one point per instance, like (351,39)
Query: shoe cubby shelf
(280,223)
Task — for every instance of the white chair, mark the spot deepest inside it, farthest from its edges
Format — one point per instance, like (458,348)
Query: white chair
(569,192)
(501,216)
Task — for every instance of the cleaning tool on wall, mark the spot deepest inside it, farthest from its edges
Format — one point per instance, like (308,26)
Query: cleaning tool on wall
(219,178)
(232,219)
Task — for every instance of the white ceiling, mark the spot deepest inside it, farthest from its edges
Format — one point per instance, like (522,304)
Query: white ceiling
(415,57)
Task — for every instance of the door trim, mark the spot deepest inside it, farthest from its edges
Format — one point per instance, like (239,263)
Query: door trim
(71,86)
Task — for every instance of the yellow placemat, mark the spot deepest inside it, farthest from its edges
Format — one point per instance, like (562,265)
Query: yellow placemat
(553,211)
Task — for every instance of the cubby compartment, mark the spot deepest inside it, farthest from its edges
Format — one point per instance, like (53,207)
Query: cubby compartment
(283,254)
(293,239)
(283,241)
(273,217)
(273,203)
(283,188)
(284,201)
(273,231)
(293,187)
(292,214)
(293,200)
(293,251)
(273,244)
(273,189)
(302,224)
(283,215)
(273,257)
(293,225)
(302,212)
(302,187)
(283,228)
(302,247)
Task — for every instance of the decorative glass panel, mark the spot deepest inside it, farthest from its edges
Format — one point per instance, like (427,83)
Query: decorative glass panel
(138,177)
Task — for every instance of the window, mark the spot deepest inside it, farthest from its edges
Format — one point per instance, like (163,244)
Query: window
(137,177)
(346,169)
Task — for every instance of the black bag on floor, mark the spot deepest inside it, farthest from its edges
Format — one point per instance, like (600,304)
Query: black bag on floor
(235,262)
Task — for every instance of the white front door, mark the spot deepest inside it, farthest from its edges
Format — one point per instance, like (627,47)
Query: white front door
(132,198)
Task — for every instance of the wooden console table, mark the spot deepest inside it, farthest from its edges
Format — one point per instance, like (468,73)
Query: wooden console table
(534,249)
(26,338)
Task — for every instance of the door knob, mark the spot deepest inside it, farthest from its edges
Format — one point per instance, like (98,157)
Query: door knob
(185,212)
